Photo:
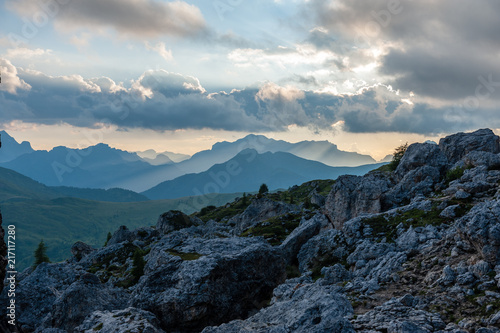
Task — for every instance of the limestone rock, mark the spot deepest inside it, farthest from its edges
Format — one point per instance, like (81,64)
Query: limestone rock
(326,248)
(174,220)
(305,231)
(80,250)
(120,236)
(126,320)
(419,155)
(456,146)
(297,308)
(207,281)
(399,315)
(260,210)
(481,227)
(352,196)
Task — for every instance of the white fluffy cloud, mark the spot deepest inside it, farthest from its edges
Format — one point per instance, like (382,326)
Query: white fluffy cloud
(10,79)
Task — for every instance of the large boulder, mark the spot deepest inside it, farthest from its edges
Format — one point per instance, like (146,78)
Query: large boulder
(481,227)
(174,220)
(352,196)
(121,235)
(325,249)
(456,146)
(299,236)
(399,315)
(126,320)
(190,283)
(260,210)
(295,308)
(80,299)
(37,293)
(420,155)
(80,250)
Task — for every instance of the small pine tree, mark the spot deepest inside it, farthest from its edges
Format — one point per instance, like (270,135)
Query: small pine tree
(244,201)
(138,264)
(307,203)
(397,156)
(292,200)
(108,238)
(40,254)
(263,189)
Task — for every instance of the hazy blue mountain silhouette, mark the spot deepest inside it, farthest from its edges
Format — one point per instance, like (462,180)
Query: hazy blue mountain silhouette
(98,166)
(11,149)
(221,152)
(247,171)
(101,166)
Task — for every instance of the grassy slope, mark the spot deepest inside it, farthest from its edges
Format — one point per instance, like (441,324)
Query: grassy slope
(63,221)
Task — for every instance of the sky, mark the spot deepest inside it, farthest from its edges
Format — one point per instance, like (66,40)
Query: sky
(183,75)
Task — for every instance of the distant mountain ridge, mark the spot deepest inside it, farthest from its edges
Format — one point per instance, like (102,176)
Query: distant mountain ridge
(221,152)
(247,171)
(11,149)
(102,166)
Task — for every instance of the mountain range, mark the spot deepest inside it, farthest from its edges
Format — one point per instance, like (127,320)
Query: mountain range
(102,166)
(247,170)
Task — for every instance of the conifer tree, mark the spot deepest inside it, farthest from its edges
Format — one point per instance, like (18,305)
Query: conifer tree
(41,254)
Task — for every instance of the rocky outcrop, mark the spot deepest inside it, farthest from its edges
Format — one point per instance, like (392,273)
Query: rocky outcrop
(174,220)
(191,283)
(121,235)
(481,227)
(80,299)
(260,210)
(299,236)
(352,196)
(297,307)
(399,315)
(80,250)
(126,320)
(457,146)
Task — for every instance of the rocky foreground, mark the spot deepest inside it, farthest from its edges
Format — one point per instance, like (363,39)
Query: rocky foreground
(415,249)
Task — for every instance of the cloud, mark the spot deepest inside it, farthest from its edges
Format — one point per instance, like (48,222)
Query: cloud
(27,53)
(161,100)
(135,18)
(437,49)
(160,48)
(10,79)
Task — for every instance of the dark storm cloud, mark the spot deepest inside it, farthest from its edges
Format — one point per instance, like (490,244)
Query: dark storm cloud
(437,48)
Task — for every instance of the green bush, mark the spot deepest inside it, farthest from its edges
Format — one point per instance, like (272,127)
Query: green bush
(454,174)
(397,156)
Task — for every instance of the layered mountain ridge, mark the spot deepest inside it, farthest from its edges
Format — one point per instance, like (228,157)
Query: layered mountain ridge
(104,167)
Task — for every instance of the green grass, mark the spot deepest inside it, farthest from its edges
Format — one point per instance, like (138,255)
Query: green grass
(64,221)
(276,229)
(185,256)
(225,212)
(454,174)
(386,168)
(300,194)
(384,226)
